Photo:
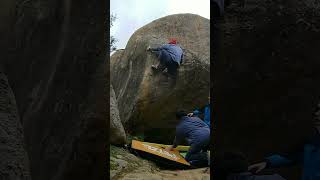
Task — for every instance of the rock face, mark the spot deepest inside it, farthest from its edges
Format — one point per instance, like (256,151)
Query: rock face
(14,164)
(266,80)
(117,133)
(148,101)
(55,65)
(7,19)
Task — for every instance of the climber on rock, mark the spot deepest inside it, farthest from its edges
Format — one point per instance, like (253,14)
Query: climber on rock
(197,134)
(308,155)
(170,57)
(205,111)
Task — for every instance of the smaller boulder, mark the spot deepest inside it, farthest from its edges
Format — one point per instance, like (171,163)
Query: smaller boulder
(117,133)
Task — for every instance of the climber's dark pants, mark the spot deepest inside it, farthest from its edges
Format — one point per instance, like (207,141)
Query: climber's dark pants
(165,61)
(197,154)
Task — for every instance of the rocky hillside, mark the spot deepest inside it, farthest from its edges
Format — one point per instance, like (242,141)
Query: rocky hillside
(53,90)
(266,79)
(148,101)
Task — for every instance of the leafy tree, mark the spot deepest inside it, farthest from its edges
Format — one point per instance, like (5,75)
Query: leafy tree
(113,40)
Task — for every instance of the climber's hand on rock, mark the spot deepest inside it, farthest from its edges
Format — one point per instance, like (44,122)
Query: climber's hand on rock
(190,114)
(148,48)
(257,167)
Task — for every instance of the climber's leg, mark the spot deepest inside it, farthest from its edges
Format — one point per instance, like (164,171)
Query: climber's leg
(172,68)
(164,58)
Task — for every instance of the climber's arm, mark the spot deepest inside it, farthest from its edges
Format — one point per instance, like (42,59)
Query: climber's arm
(179,136)
(182,56)
(199,111)
(158,48)
(287,159)
(277,161)
(175,144)
(155,49)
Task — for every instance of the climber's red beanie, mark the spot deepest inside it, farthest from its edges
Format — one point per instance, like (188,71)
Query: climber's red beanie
(172,41)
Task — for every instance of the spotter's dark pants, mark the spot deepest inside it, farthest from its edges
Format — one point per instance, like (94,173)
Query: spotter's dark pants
(197,154)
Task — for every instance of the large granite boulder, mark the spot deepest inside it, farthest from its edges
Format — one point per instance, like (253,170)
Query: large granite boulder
(266,79)
(14,162)
(7,21)
(148,101)
(55,65)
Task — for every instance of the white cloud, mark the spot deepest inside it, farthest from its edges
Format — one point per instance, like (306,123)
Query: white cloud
(200,7)
(133,14)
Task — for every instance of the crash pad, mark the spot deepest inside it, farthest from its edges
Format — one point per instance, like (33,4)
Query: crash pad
(183,154)
(159,151)
(179,148)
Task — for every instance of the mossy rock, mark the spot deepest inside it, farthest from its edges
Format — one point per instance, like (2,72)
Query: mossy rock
(123,162)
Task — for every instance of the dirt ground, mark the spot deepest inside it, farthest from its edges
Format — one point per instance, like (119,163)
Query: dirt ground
(195,174)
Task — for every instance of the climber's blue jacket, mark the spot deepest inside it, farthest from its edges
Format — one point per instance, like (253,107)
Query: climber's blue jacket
(206,111)
(308,155)
(174,51)
(193,129)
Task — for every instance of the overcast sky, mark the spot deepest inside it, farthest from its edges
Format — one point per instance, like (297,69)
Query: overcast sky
(133,14)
